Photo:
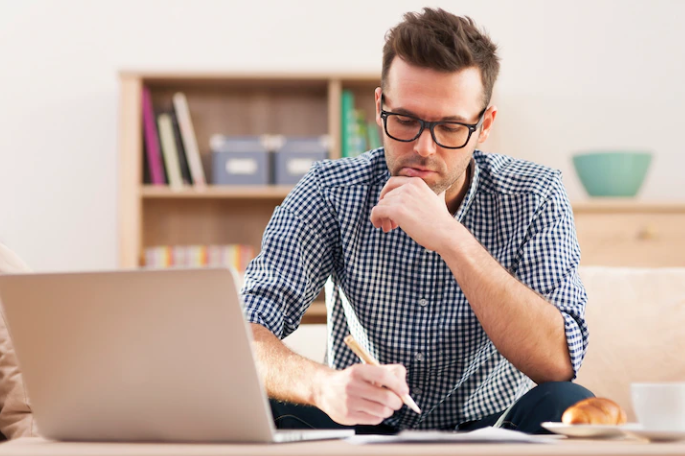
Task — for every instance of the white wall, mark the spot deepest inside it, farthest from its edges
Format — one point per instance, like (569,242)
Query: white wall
(575,75)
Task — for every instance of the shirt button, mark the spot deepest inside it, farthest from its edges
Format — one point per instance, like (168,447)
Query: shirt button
(418,356)
(423,302)
(417,391)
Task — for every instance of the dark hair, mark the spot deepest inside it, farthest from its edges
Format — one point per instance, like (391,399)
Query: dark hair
(441,41)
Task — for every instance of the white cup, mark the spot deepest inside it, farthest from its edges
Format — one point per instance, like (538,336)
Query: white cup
(659,406)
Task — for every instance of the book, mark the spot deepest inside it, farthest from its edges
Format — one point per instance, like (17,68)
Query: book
(360,135)
(189,139)
(182,159)
(168,143)
(373,136)
(147,178)
(348,124)
(153,153)
(237,256)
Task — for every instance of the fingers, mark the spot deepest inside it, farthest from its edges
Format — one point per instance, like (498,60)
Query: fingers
(364,418)
(391,376)
(364,394)
(398,370)
(380,218)
(394,378)
(374,408)
(383,216)
(376,394)
(388,221)
(393,183)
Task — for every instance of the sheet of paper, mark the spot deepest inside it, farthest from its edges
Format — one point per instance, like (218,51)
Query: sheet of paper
(485,435)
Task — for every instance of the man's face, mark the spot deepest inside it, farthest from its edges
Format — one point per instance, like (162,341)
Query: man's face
(431,95)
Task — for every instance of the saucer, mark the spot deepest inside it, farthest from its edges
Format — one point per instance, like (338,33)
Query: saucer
(587,430)
(656,436)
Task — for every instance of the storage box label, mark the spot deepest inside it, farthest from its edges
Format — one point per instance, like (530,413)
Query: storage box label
(297,166)
(241,166)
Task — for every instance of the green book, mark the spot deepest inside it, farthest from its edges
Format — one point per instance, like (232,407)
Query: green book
(374,138)
(348,124)
(361,145)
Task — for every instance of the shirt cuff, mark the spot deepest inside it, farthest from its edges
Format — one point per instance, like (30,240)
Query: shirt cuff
(263,313)
(575,341)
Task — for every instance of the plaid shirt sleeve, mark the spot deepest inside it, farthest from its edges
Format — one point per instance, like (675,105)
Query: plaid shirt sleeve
(295,261)
(549,265)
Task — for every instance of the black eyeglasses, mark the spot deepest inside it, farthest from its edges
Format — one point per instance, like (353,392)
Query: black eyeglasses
(447,134)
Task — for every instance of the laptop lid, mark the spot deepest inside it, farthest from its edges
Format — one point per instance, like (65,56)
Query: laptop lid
(147,355)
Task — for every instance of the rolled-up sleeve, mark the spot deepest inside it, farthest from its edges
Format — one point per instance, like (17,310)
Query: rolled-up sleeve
(296,259)
(549,260)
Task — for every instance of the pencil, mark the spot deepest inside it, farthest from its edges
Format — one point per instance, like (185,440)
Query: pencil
(368,359)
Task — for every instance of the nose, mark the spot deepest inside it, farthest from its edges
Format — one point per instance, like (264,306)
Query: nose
(424,145)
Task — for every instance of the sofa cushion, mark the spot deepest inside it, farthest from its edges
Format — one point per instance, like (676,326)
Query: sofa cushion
(309,341)
(637,329)
(16,419)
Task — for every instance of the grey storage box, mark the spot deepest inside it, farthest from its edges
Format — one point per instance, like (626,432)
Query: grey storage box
(240,160)
(297,155)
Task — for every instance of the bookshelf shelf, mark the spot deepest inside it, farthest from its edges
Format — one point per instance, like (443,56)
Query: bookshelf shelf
(271,192)
(316,313)
(228,103)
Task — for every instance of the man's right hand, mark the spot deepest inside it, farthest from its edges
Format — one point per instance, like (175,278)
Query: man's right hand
(362,394)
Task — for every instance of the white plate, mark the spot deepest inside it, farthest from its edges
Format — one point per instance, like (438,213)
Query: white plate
(588,430)
(657,436)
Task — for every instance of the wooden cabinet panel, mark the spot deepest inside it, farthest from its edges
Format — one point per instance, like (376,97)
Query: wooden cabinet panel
(631,236)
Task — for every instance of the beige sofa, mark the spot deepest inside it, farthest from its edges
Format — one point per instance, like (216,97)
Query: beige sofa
(637,330)
(16,419)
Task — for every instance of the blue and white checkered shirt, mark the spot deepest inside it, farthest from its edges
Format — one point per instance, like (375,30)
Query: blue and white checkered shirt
(400,300)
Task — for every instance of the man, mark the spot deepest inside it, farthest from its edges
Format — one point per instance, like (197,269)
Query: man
(457,270)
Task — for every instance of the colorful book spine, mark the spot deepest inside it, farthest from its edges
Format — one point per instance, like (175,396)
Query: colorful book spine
(189,139)
(166,136)
(180,150)
(373,136)
(360,144)
(154,155)
(237,256)
(348,124)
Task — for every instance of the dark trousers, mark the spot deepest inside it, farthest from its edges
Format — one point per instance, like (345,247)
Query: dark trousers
(295,416)
(545,402)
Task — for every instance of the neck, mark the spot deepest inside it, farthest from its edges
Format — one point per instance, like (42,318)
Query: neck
(456,193)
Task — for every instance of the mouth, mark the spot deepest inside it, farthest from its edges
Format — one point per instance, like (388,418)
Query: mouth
(415,172)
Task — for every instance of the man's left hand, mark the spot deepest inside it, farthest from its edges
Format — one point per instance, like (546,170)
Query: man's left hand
(409,203)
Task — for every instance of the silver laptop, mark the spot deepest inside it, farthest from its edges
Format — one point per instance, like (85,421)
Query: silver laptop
(161,355)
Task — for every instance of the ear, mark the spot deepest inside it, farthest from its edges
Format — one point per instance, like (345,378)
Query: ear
(488,120)
(377,97)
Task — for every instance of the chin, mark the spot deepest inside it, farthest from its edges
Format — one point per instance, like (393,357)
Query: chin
(436,187)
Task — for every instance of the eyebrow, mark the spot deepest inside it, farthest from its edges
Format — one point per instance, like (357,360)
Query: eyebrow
(443,119)
(454,118)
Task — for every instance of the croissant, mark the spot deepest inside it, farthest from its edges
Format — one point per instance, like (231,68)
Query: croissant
(594,410)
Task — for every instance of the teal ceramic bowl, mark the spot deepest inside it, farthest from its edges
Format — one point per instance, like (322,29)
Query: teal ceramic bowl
(608,174)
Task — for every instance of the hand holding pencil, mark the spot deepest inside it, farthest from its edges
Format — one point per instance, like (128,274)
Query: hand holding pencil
(368,359)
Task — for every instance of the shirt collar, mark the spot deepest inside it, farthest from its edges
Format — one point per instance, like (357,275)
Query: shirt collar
(471,193)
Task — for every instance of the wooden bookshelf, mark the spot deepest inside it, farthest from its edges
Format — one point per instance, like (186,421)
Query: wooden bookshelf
(231,104)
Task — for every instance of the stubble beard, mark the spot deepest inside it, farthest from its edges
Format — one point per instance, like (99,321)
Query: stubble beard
(444,183)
